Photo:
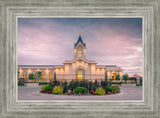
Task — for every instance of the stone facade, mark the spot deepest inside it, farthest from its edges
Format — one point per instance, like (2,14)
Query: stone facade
(78,68)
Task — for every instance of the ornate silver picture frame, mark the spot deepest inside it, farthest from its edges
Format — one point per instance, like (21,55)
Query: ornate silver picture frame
(11,107)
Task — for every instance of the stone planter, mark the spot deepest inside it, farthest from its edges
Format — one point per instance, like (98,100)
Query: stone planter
(31,84)
(128,85)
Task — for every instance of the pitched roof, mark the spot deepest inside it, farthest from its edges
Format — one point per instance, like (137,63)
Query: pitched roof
(111,66)
(80,40)
(57,65)
(38,65)
(108,65)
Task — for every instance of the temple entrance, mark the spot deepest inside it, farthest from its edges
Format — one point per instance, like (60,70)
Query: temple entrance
(80,74)
(114,76)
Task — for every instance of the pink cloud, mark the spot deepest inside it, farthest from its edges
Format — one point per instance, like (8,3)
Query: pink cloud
(50,43)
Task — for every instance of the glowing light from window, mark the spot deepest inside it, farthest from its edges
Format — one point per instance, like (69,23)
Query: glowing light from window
(29,71)
(79,52)
(47,71)
(20,70)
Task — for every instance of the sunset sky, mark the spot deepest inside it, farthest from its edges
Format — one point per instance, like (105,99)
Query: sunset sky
(109,41)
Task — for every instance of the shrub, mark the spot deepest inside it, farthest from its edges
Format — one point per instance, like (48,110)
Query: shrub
(43,87)
(81,90)
(69,91)
(48,88)
(116,88)
(91,92)
(74,84)
(104,84)
(108,92)
(118,77)
(55,83)
(58,90)
(80,94)
(119,83)
(91,86)
(139,84)
(20,84)
(111,79)
(95,83)
(110,88)
(100,91)
(84,83)
(43,83)
(43,91)
(125,77)
(69,94)
(65,87)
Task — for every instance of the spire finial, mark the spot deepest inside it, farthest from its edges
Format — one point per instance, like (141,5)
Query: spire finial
(79,33)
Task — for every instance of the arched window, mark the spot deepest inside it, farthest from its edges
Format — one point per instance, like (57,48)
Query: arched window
(25,77)
(80,74)
(79,52)
(114,76)
(51,76)
(42,77)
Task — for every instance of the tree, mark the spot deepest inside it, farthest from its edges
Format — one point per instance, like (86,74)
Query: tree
(38,75)
(106,78)
(111,79)
(31,76)
(118,77)
(54,76)
(18,74)
(125,77)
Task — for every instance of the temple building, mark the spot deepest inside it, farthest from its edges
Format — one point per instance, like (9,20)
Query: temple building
(78,68)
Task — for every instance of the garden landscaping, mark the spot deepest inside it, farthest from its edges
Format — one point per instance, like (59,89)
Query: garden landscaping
(83,87)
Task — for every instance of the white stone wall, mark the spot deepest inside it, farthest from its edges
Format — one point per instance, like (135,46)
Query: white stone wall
(68,71)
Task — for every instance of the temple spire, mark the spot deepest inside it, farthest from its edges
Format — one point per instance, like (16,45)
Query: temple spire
(79,40)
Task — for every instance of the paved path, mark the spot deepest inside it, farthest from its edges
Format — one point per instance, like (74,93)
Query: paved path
(32,93)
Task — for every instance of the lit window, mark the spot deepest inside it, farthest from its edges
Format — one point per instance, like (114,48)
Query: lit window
(79,52)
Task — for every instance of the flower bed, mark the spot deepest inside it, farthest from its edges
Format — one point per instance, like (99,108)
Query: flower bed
(80,88)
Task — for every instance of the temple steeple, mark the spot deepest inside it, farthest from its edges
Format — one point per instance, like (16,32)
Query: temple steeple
(79,40)
(79,48)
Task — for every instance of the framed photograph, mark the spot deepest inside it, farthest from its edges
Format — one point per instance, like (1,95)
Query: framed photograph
(117,41)
(80,59)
